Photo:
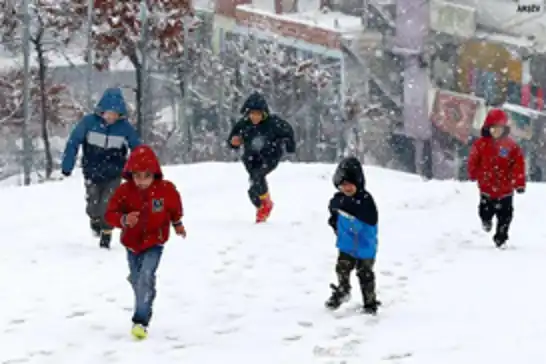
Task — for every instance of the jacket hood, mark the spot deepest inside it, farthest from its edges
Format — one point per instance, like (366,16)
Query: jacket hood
(495,117)
(141,159)
(350,170)
(112,100)
(255,101)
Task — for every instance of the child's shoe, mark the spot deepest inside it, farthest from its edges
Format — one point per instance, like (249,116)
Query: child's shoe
(487,226)
(139,332)
(370,308)
(265,209)
(500,240)
(339,296)
(105,239)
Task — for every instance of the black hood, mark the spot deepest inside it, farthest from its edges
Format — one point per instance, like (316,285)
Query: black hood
(350,170)
(255,102)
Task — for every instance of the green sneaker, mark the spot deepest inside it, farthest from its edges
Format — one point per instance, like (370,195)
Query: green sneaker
(139,332)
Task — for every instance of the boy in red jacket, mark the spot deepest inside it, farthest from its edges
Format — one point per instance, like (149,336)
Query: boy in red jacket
(497,163)
(144,208)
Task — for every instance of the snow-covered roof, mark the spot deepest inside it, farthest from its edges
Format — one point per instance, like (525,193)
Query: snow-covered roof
(303,5)
(522,42)
(331,21)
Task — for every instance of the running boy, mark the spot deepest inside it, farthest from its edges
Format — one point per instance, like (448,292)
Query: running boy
(265,138)
(496,161)
(353,216)
(144,207)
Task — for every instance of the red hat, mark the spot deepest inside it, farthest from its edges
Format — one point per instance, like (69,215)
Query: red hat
(495,117)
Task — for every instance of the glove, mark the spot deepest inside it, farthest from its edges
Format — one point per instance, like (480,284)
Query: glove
(66,173)
(520,190)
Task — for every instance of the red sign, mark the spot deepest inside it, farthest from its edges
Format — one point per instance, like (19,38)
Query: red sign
(454,114)
(287,28)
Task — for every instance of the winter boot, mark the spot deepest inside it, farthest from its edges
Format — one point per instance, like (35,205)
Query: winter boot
(371,307)
(339,296)
(105,239)
(263,212)
(500,240)
(95,227)
(139,331)
(487,226)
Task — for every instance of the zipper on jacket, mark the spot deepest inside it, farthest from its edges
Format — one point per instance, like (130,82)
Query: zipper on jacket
(355,240)
(106,138)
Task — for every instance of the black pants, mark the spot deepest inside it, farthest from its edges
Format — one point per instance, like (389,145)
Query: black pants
(97,196)
(258,168)
(364,271)
(502,208)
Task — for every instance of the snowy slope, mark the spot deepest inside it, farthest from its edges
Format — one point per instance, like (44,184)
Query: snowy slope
(234,292)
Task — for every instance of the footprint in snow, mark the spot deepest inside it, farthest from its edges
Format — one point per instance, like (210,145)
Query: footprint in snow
(17,322)
(77,314)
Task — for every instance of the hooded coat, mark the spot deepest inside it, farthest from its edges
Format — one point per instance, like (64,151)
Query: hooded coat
(497,164)
(354,218)
(266,141)
(160,205)
(104,146)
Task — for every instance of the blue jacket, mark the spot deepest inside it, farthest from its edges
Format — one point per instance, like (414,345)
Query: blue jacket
(354,218)
(355,237)
(104,146)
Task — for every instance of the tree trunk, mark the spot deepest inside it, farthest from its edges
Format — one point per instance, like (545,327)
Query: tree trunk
(42,70)
(133,58)
(182,79)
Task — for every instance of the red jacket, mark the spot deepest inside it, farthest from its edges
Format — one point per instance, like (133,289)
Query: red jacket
(497,165)
(160,205)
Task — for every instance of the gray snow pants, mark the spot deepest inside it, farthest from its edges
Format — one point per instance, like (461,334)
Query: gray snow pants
(97,196)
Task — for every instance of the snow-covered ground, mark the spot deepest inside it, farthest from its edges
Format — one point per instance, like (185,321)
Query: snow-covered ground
(235,292)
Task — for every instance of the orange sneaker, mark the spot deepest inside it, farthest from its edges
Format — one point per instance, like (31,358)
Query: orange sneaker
(265,209)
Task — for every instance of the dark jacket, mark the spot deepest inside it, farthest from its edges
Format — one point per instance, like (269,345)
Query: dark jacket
(354,218)
(267,140)
(104,146)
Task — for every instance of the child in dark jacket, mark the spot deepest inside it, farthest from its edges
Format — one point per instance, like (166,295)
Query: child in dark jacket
(497,163)
(265,138)
(353,216)
(144,207)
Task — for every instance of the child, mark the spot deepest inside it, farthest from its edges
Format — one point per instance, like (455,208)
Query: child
(497,163)
(105,137)
(353,216)
(144,207)
(265,137)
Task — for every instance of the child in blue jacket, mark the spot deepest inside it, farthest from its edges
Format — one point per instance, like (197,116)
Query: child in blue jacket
(353,216)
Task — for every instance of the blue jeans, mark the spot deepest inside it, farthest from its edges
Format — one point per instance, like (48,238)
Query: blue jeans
(142,269)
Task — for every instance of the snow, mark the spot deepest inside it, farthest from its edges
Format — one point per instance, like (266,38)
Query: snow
(332,21)
(236,292)
(58,59)
(506,39)
(303,5)
(523,110)
(167,117)
(502,16)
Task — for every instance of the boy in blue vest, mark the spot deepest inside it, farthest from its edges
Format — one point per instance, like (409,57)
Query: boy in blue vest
(353,216)
(105,137)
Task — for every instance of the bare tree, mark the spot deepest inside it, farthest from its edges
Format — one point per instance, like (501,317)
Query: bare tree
(52,28)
